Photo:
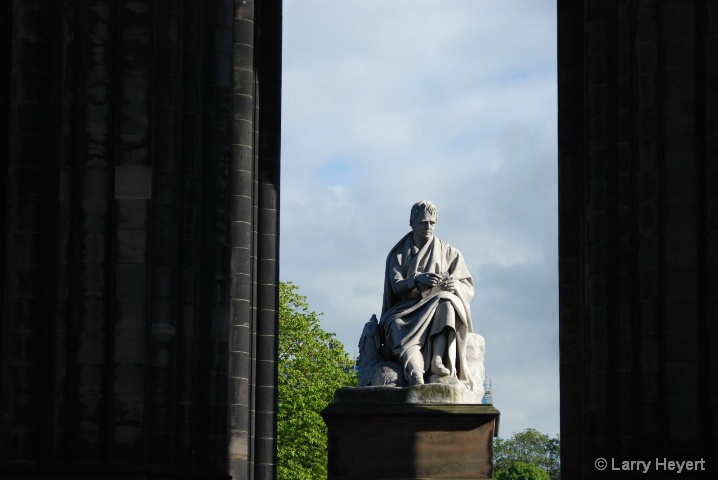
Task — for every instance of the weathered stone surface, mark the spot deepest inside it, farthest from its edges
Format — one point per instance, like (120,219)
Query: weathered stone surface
(475,350)
(442,390)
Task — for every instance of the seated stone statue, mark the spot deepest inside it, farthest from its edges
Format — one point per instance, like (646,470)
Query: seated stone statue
(426,317)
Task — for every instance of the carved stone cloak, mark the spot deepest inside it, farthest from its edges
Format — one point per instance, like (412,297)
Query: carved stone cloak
(408,320)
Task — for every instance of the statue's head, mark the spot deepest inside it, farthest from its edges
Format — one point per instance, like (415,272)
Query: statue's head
(422,221)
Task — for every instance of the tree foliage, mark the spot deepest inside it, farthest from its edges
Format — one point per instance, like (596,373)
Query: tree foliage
(312,365)
(523,471)
(528,447)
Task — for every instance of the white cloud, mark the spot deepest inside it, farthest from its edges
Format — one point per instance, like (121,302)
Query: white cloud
(389,102)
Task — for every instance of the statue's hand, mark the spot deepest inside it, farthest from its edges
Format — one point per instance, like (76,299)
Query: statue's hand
(427,279)
(449,285)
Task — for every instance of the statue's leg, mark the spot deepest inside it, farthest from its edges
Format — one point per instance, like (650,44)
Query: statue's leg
(450,357)
(413,366)
(438,347)
(444,344)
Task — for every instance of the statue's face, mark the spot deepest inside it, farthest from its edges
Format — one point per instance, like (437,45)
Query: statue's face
(423,226)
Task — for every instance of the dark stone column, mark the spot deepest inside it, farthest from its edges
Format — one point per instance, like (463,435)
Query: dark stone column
(638,239)
(139,254)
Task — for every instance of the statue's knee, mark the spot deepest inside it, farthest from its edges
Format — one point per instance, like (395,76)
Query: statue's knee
(445,308)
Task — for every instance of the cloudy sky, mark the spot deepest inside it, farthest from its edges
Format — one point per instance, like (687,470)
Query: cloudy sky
(387,102)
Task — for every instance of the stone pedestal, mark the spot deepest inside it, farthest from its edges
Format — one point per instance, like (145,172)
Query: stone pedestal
(410,441)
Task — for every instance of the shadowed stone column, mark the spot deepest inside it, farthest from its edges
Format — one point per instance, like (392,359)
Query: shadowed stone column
(638,238)
(140,209)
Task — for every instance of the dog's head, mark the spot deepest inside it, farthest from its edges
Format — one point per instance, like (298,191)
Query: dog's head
(371,331)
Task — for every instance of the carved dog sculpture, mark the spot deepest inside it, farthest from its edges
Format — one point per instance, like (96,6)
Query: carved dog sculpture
(374,369)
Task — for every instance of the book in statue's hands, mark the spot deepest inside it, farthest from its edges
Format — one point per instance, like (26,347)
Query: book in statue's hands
(427,292)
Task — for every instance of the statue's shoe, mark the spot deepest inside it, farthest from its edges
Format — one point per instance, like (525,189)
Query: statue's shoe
(438,368)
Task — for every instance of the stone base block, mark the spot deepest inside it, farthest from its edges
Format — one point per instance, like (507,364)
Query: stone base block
(411,442)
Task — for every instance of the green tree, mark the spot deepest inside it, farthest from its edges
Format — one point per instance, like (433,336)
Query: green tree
(529,447)
(312,365)
(523,471)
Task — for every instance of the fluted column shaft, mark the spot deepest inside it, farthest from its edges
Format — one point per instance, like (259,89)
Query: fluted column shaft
(638,239)
(138,331)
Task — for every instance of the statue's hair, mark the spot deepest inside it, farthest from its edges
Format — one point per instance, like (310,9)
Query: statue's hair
(423,206)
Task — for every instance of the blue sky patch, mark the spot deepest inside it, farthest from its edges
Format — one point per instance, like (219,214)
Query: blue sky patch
(341,170)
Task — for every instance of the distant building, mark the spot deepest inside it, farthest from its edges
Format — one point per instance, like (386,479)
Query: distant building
(488,398)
